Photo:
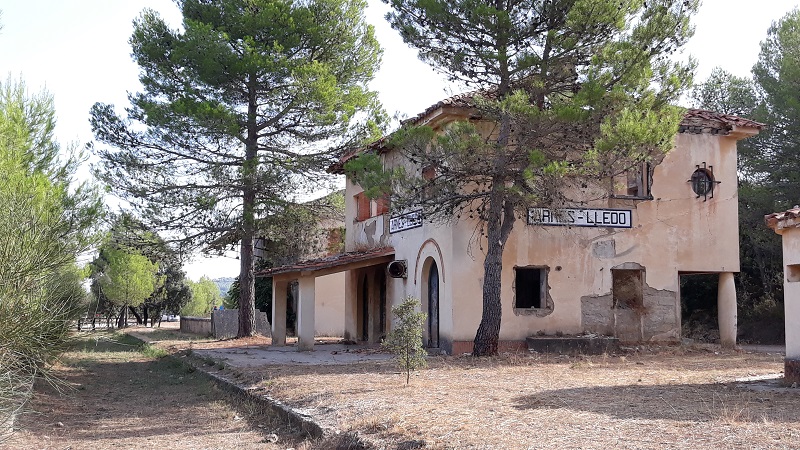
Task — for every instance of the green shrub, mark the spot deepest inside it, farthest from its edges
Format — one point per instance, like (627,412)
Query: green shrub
(405,339)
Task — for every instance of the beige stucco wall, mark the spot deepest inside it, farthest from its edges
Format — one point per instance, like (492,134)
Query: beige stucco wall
(791,292)
(675,232)
(329,307)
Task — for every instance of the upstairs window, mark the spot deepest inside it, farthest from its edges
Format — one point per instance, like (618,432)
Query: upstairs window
(366,208)
(635,182)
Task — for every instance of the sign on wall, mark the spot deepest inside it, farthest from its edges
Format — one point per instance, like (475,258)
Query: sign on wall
(581,217)
(405,221)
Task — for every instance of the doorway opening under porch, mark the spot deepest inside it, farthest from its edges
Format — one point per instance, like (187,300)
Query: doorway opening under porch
(708,307)
(365,314)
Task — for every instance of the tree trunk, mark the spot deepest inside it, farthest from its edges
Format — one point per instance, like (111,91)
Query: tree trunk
(122,320)
(488,335)
(499,223)
(136,314)
(247,304)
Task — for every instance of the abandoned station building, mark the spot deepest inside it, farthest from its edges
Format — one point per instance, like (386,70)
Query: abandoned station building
(679,217)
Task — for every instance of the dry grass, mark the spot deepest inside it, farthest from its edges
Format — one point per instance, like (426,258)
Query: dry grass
(673,399)
(120,398)
(649,398)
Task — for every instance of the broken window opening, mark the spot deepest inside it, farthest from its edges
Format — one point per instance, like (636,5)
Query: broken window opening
(627,288)
(793,273)
(530,285)
(634,182)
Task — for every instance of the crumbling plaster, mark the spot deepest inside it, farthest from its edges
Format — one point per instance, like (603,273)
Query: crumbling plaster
(674,232)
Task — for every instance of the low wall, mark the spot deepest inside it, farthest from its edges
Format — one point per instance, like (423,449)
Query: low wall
(196,325)
(225,323)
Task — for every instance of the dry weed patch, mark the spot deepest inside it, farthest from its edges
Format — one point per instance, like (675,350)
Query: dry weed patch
(675,398)
(672,397)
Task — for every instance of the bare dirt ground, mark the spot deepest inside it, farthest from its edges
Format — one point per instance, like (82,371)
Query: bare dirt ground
(646,397)
(117,397)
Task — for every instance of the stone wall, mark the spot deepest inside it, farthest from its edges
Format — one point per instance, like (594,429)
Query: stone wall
(225,323)
(657,320)
(196,325)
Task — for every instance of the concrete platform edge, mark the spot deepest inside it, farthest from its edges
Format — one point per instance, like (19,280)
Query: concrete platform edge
(305,422)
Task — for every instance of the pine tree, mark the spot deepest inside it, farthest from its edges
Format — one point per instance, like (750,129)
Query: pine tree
(569,94)
(240,110)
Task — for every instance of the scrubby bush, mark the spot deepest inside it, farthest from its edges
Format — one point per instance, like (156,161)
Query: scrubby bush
(405,339)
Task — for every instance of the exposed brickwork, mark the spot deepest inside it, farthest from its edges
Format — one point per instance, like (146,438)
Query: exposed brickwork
(791,371)
(461,347)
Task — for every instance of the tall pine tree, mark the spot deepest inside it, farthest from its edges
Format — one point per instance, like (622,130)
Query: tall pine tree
(239,110)
(579,92)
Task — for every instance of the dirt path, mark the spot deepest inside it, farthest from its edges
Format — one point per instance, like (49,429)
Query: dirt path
(118,397)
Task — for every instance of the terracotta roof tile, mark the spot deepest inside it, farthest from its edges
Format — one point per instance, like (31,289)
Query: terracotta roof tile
(464,100)
(328,262)
(785,219)
(704,121)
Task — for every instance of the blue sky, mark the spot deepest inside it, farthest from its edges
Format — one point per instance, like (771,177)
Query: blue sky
(78,50)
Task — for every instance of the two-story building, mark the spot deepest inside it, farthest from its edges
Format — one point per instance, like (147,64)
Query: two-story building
(611,267)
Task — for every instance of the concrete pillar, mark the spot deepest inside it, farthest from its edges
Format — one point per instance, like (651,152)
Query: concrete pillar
(279,287)
(791,303)
(350,305)
(726,309)
(305,314)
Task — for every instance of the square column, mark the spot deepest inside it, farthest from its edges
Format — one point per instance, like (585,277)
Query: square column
(305,314)
(726,309)
(279,289)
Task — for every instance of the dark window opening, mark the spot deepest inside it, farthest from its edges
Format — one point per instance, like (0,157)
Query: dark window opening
(702,182)
(530,287)
(627,288)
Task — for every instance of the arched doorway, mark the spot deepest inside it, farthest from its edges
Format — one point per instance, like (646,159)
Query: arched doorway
(433,306)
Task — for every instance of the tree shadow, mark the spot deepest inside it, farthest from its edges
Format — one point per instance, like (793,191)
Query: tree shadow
(678,402)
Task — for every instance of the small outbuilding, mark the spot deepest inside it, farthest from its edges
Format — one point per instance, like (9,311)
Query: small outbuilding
(787,224)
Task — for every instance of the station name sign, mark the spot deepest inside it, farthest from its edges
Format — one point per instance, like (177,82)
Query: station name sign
(405,221)
(581,217)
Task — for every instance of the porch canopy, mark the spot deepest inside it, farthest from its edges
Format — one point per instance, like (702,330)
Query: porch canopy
(306,273)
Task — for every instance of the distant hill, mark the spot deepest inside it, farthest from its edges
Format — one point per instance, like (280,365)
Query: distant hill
(224,284)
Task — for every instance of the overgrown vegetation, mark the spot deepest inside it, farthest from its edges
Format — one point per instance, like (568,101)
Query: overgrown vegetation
(205,296)
(171,290)
(405,339)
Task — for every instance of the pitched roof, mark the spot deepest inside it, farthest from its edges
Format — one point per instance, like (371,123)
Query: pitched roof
(704,121)
(786,219)
(343,261)
(694,121)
